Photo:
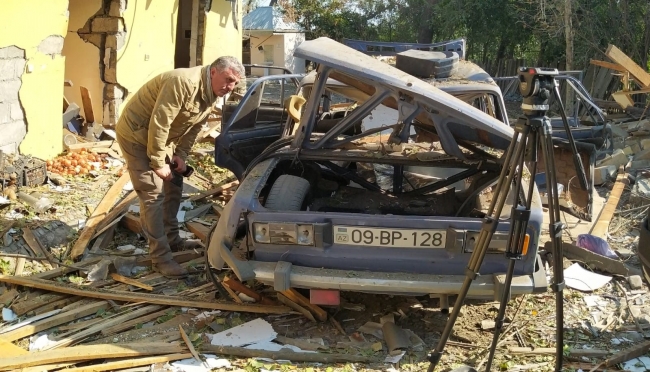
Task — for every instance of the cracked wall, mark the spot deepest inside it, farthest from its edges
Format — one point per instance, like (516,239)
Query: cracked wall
(31,76)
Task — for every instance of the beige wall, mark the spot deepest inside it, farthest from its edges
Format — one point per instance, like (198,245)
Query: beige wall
(82,58)
(221,36)
(38,27)
(149,44)
(264,38)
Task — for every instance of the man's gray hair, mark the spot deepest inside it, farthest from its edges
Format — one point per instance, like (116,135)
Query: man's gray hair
(229,62)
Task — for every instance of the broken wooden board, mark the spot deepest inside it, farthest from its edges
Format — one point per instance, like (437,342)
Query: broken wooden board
(609,65)
(298,298)
(594,260)
(38,248)
(88,352)
(99,214)
(639,74)
(213,192)
(282,298)
(77,147)
(132,323)
(240,287)
(108,294)
(123,279)
(132,223)
(601,226)
(58,319)
(201,232)
(11,350)
(87,103)
(130,363)
(285,355)
(189,345)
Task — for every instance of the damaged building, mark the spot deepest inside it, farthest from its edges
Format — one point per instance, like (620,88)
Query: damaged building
(105,48)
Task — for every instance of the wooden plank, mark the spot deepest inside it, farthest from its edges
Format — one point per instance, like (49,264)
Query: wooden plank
(118,210)
(133,322)
(609,65)
(65,269)
(623,99)
(123,279)
(639,73)
(189,345)
(602,224)
(200,231)
(114,295)
(7,297)
(87,104)
(285,355)
(132,222)
(130,363)
(99,214)
(10,350)
(295,296)
(88,352)
(240,287)
(54,321)
(213,192)
(38,248)
(118,319)
(76,147)
(23,307)
(56,305)
(282,298)
(595,261)
(232,294)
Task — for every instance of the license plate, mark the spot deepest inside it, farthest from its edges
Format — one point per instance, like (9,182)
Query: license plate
(400,238)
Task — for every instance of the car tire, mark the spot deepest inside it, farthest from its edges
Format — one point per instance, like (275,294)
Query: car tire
(288,193)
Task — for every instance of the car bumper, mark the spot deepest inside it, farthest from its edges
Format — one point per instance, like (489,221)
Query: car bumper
(283,275)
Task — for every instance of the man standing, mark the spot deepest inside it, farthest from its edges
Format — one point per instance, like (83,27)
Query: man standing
(156,129)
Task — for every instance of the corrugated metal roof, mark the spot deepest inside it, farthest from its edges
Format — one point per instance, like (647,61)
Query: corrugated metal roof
(268,18)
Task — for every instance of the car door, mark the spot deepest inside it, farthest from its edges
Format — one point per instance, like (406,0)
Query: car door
(256,121)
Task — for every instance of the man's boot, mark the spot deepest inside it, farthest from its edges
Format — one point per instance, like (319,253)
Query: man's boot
(170,269)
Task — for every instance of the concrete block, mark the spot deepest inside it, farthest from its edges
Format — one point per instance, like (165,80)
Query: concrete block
(5,112)
(16,112)
(640,164)
(619,132)
(12,133)
(12,51)
(109,25)
(642,155)
(51,45)
(603,174)
(9,90)
(635,281)
(617,159)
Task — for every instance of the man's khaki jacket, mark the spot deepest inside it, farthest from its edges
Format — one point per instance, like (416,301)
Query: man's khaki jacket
(167,113)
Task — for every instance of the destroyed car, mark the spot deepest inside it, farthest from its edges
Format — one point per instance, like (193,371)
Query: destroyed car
(369,179)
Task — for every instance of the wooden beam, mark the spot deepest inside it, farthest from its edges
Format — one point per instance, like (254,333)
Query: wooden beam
(133,322)
(232,294)
(285,355)
(87,104)
(296,297)
(602,224)
(200,231)
(98,215)
(58,319)
(66,269)
(89,352)
(132,222)
(114,295)
(623,99)
(10,350)
(188,343)
(639,73)
(123,279)
(609,65)
(213,192)
(38,248)
(240,287)
(121,208)
(130,363)
(88,145)
(282,298)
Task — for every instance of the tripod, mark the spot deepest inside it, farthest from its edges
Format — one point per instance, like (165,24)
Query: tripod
(533,132)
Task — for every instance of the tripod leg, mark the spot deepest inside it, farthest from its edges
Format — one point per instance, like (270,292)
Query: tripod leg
(498,323)
(515,151)
(555,230)
(582,175)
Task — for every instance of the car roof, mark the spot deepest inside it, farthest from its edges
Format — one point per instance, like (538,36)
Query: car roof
(463,120)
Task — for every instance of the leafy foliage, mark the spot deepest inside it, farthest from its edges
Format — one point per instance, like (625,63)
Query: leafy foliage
(531,29)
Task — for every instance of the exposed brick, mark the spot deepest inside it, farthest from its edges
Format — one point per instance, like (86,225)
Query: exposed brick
(116,8)
(9,90)
(16,111)
(94,39)
(109,25)
(11,52)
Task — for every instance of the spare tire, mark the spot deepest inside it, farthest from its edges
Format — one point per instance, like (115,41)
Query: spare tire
(288,193)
